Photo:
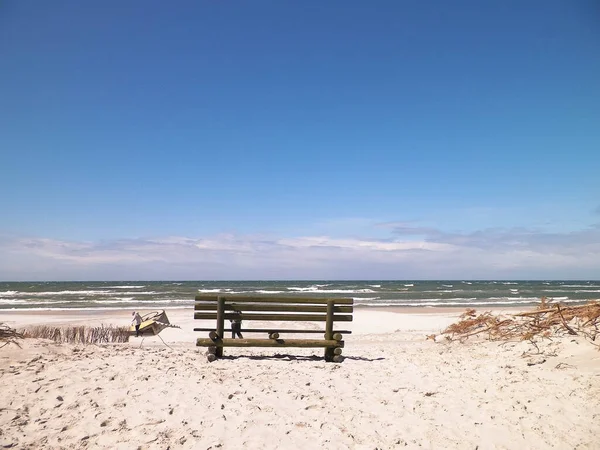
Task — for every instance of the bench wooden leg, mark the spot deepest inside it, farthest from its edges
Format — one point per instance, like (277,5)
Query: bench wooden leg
(211,353)
(217,351)
(334,354)
(220,323)
(329,354)
(329,331)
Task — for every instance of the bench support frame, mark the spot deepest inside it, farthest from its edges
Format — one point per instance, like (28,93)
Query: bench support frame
(332,343)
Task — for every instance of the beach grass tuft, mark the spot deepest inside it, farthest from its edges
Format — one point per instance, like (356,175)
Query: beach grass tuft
(79,334)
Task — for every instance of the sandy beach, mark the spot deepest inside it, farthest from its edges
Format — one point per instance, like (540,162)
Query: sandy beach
(395,389)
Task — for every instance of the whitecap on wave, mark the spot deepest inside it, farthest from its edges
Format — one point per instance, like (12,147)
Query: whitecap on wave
(332,291)
(125,287)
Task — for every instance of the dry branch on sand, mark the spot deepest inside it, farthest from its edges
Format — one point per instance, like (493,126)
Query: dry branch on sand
(79,335)
(548,319)
(9,335)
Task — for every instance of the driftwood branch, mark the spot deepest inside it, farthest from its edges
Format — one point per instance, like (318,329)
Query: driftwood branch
(544,322)
(562,318)
(9,335)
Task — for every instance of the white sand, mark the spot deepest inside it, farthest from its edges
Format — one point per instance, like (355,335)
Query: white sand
(394,390)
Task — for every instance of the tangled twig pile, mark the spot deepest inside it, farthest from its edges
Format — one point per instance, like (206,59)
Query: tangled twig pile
(9,335)
(547,320)
(79,335)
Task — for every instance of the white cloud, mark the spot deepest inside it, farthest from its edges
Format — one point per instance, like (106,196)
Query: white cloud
(375,245)
(484,254)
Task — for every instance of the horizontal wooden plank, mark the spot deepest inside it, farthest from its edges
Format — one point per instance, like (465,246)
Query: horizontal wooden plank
(302,343)
(275,317)
(287,300)
(271,307)
(275,330)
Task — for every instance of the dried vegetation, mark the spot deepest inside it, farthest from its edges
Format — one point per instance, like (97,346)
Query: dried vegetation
(9,335)
(547,320)
(79,335)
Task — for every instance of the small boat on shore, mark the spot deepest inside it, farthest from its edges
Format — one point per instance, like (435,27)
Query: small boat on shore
(152,324)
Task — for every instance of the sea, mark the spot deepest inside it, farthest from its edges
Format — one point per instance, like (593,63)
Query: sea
(152,295)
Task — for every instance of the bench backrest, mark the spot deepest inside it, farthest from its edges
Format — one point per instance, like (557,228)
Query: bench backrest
(284,309)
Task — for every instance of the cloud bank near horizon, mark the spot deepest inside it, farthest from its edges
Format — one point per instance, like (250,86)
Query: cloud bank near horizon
(410,252)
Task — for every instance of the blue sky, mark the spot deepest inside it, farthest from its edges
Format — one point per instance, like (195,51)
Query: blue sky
(299,140)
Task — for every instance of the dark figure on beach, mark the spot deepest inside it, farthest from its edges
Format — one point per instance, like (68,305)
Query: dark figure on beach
(236,327)
(137,319)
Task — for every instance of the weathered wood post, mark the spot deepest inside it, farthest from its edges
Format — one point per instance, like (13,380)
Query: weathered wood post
(337,351)
(329,330)
(220,323)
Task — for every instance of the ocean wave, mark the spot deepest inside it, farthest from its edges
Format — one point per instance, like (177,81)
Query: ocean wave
(418,304)
(455,303)
(10,301)
(310,288)
(51,293)
(436,300)
(375,285)
(140,293)
(466,300)
(445,291)
(333,291)
(118,300)
(131,300)
(254,292)
(81,293)
(575,291)
(9,293)
(409,285)
(125,287)
(580,285)
(250,292)
(261,291)
(108,308)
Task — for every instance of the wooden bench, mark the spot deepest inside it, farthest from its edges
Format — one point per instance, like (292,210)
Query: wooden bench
(273,309)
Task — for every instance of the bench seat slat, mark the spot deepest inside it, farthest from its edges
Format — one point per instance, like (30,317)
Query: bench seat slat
(271,307)
(274,330)
(286,300)
(301,343)
(275,317)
